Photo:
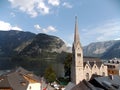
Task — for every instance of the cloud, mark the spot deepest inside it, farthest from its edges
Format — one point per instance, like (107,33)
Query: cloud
(49,29)
(45,30)
(67,5)
(27,6)
(42,8)
(37,27)
(54,2)
(34,7)
(16,28)
(5,26)
(105,31)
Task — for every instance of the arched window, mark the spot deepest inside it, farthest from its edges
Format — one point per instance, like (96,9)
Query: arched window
(87,76)
(103,73)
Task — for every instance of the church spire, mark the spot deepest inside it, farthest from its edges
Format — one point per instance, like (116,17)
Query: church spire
(77,59)
(76,34)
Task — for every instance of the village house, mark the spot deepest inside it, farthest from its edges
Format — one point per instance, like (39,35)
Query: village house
(113,66)
(19,79)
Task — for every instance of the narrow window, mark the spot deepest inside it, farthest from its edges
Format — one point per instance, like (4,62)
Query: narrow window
(87,76)
(103,73)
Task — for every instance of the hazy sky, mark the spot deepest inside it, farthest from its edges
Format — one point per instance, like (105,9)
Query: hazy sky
(98,20)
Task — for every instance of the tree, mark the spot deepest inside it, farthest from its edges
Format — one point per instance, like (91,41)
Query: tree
(49,74)
(67,64)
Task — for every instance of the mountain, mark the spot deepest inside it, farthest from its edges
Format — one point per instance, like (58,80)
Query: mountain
(112,52)
(104,50)
(42,42)
(31,51)
(9,40)
(18,48)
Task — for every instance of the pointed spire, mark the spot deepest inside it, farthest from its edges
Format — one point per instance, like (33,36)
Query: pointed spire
(76,34)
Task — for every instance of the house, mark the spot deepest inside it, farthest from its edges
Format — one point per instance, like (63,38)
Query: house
(19,79)
(113,66)
(93,66)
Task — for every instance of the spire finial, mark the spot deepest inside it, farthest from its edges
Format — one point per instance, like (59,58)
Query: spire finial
(75,18)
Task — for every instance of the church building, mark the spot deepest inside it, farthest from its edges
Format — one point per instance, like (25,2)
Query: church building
(84,67)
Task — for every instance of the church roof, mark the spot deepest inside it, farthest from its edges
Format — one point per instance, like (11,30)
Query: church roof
(76,33)
(91,61)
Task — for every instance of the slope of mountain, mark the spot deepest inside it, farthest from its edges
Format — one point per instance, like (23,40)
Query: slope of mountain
(40,43)
(112,52)
(26,49)
(104,50)
(9,40)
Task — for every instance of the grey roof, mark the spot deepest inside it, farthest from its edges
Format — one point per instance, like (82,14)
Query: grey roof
(27,73)
(15,79)
(91,61)
(85,85)
(69,86)
(107,82)
(4,83)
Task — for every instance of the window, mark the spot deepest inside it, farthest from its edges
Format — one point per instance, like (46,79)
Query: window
(87,76)
(113,66)
(103,73)
(79,54)
(30,87)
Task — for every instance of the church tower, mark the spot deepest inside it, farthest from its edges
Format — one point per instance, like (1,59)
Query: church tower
(77,60)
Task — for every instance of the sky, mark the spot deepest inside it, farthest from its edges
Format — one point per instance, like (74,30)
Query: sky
(98,20)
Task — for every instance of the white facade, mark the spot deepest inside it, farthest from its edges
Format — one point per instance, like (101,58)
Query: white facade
(34,86)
